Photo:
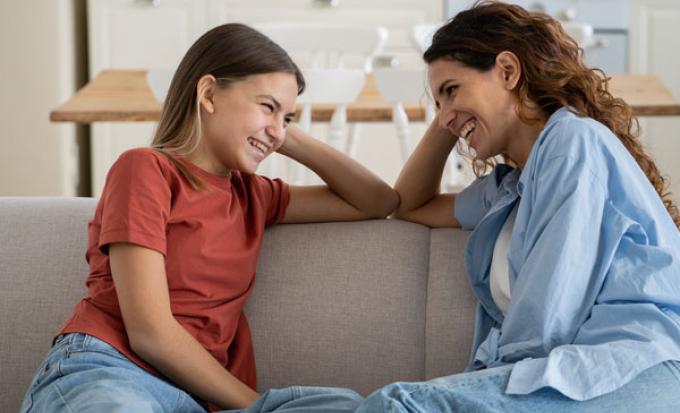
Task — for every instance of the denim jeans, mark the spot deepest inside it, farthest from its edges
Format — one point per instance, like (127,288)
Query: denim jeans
(84,374)
(655,390)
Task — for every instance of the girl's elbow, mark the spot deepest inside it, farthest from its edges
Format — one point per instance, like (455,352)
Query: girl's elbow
(388,202)
(145,341)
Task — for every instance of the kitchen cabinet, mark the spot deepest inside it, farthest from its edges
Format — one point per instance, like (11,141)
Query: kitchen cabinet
(135,34)
(654,47)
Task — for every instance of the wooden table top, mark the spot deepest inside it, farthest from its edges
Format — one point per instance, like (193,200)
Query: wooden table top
(124,96)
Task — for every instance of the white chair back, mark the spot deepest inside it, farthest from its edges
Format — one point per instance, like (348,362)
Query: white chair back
(334,58)
(339,87)
(319,44)
(421,35)
(401,86)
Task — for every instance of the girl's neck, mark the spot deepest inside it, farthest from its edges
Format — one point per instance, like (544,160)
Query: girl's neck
(206,160)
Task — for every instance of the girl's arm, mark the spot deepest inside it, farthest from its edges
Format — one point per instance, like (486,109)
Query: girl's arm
(418,183)
(352,191)
(156,337)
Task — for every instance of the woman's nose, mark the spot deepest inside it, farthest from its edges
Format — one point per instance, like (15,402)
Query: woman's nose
(446,116)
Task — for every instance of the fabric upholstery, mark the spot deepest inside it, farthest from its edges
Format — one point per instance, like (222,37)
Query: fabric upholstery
(354,305)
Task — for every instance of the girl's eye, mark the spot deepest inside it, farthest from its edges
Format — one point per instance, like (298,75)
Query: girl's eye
(287,121)
(451,89)
(269,107)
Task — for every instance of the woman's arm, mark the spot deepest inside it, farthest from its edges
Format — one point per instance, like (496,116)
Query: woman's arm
(418,183)
(352,191)
(156,337)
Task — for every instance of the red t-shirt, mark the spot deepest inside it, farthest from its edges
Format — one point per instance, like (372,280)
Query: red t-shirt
(210,239)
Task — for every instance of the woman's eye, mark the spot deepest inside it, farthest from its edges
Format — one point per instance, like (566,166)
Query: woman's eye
(269,107)
(287,121)
(451,89)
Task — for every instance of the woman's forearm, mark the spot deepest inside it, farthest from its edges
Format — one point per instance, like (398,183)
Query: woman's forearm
(420,179)
(181,358)
(345,177)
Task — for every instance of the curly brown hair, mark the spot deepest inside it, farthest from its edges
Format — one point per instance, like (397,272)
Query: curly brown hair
(554,74)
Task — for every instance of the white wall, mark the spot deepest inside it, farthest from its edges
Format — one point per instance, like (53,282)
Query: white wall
(42,45)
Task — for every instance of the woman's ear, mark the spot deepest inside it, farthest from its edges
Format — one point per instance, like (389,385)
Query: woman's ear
(509,69)
(205,93)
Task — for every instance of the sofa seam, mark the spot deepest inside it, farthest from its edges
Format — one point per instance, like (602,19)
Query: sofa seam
(427,305)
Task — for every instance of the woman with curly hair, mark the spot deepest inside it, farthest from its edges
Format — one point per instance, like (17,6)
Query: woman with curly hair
(574,254)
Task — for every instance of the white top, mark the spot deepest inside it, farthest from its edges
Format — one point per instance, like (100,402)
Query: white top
(500,273)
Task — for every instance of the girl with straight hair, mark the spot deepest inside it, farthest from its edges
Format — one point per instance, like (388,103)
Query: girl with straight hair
(175,237)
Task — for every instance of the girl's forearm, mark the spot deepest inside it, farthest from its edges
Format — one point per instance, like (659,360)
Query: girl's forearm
(420,179)
(345,177)
(181,358)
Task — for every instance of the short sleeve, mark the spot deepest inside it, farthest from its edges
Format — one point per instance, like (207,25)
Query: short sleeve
(474,202)
(135,202)
(274,195)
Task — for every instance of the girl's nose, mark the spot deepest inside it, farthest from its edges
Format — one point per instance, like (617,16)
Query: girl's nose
(276,132)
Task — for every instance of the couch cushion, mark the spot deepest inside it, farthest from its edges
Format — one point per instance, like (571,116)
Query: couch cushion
(42,274)
(450,305)
(341,304)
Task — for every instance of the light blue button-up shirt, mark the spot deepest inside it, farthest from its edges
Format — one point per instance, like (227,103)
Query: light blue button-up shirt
(594,264)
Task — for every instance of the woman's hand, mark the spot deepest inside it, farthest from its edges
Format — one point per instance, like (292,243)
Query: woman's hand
(420,179)
(352,191)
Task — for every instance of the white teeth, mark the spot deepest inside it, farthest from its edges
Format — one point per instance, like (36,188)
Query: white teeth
(260,146)
(467,128)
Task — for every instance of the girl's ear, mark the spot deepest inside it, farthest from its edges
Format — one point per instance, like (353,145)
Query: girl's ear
(509,68)
(205,92)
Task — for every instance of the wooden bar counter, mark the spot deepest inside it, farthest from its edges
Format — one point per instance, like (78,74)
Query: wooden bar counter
(124,96)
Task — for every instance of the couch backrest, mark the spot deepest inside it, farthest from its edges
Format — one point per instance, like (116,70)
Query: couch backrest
(355,305)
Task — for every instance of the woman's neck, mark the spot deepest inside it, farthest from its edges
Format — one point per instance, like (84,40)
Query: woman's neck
(523,137)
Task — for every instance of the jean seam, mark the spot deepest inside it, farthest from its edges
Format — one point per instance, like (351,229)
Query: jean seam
(178,402)
(61,397)
(117,355)
(295,392)
(30,400)
(674,368)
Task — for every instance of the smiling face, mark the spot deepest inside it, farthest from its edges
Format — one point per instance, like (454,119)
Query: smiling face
(245,121)
(479,106)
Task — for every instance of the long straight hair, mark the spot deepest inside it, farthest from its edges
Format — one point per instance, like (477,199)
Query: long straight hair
(230,52)
(553,72)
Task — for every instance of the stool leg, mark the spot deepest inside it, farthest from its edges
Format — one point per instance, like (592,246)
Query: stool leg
(300,173)
(354,130)
(403,133)
(337,127)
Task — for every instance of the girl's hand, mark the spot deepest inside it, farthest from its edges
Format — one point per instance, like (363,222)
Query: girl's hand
(351,193)
(294,136)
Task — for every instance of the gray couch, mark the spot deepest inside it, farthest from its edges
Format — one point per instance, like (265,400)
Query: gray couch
(355,305)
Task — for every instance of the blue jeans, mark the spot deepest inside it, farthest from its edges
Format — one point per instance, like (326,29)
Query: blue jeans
(84,374)
(656,390)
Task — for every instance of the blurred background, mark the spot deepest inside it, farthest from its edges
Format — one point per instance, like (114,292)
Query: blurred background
(52,48)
